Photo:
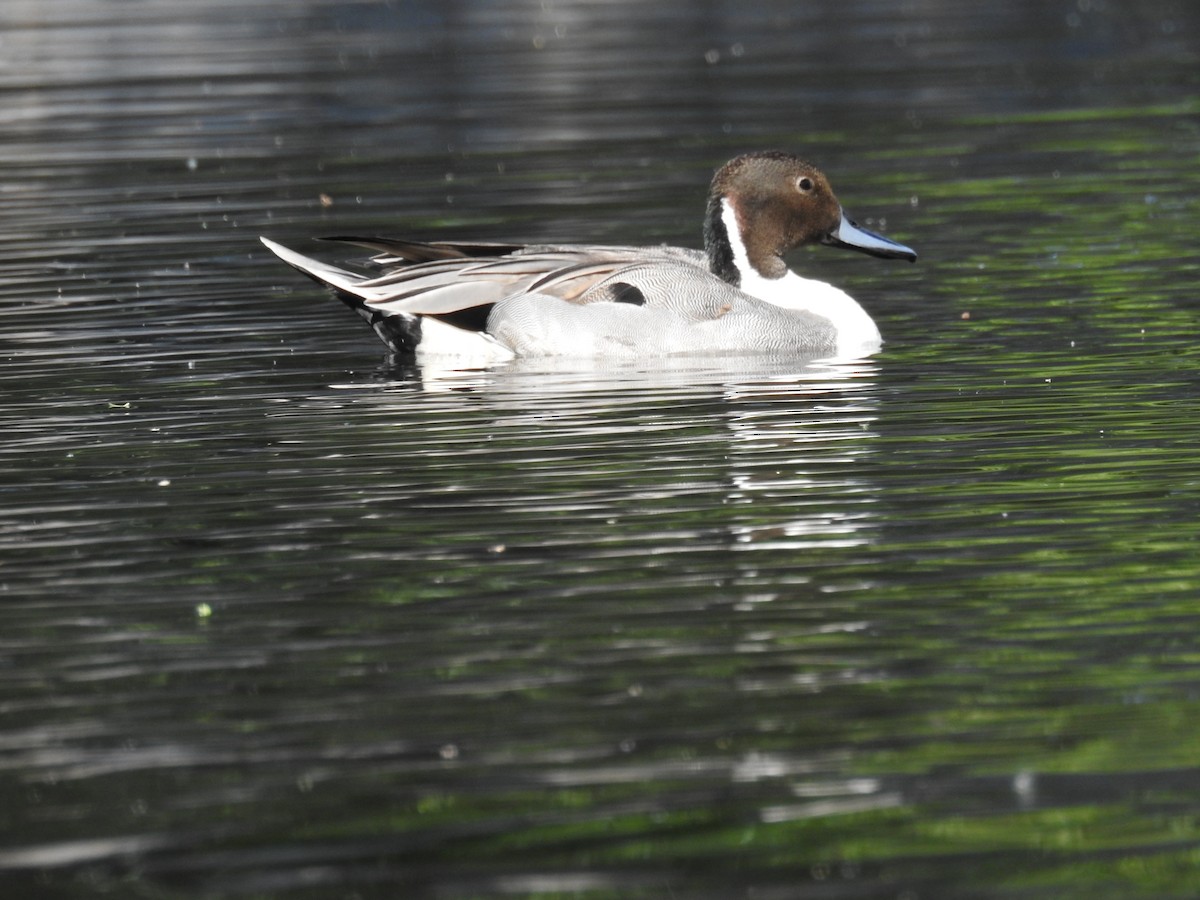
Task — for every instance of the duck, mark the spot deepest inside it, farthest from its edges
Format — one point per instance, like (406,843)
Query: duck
(497,301)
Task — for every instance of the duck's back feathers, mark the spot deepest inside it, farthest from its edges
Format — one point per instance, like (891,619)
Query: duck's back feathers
(395,250)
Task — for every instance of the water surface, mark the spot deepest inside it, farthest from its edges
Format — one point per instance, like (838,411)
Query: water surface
(281,617)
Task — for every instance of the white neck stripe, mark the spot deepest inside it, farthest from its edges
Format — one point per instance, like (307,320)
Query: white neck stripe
(741,259)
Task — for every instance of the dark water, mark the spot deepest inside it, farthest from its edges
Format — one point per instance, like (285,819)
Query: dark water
(281,618)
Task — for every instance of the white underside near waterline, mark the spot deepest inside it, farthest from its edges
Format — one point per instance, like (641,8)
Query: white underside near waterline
(857,332)
(446,342)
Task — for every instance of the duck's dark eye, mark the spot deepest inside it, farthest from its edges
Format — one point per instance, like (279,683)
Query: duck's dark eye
(804,184)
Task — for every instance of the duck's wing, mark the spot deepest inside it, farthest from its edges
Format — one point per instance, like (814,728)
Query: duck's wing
(435,279)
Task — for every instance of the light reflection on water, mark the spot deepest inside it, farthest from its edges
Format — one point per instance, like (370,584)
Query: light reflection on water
(281,617)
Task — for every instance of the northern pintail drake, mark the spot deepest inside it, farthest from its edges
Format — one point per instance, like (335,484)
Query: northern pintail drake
(737,296)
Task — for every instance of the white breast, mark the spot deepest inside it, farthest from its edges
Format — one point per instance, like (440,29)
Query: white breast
(857,331)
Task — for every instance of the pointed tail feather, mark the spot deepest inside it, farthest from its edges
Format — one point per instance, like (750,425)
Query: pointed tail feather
(401,332)
(402,329)
(332,276)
